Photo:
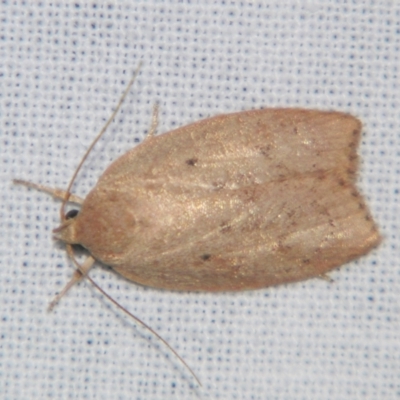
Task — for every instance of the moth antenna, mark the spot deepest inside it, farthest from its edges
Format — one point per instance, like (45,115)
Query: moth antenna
(100,134)
(84,271)
(65,196)
(151,330)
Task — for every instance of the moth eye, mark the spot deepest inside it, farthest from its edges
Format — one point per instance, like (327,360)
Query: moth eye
(71,214)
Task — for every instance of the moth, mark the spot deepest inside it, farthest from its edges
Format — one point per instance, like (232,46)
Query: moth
(234,202)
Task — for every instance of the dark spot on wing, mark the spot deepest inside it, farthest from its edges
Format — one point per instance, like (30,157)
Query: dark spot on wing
(264,150)
(192,161)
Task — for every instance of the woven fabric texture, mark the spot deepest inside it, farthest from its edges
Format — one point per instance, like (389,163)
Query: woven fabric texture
(63,67)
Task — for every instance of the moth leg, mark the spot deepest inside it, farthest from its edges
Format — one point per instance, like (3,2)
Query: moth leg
(326,278)
(56,193)
(154,122)
(76,277)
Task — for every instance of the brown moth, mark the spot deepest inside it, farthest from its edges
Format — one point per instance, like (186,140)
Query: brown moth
(238,201)
(234,202)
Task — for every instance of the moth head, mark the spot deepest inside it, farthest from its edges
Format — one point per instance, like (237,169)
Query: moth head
(66,232)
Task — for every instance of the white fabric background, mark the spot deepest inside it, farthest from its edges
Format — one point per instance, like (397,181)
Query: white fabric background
(63,67)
